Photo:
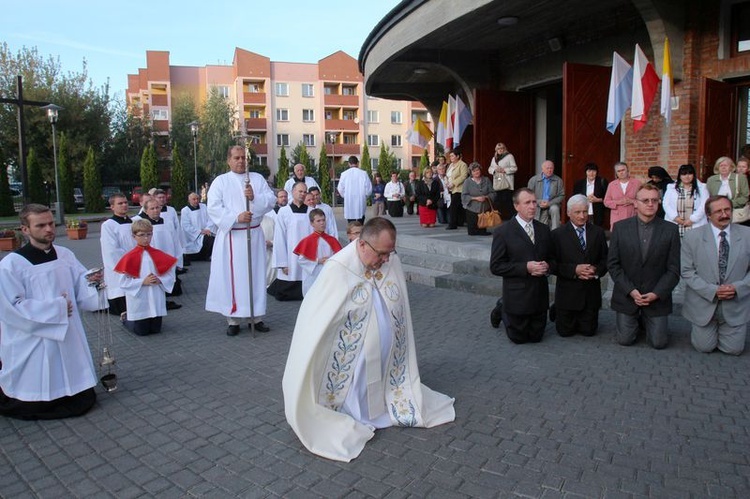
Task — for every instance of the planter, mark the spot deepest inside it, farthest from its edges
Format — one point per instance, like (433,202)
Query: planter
(77,233)
(9,244)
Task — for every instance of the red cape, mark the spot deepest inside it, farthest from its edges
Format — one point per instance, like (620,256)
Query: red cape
(130,263)
(308,247)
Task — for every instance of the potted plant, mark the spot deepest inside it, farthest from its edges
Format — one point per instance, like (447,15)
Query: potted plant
(76,229)
(10,239)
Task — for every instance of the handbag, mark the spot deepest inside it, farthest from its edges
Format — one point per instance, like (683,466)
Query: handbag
(740,215)
(489,218)
(500,181)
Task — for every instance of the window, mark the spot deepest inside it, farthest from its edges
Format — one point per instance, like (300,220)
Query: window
(373,141)
(398,163)
(308,90)
(308,139)
(350,115)
(282,89)
(282,139)
(160,114)
(373,117)
(374,164)
(349,91)
(254,113)
(396,117)
(740,37)
(253,88)
(223,91)
(308,115)
(329,115)
(350,138)
(395,140)
(282,115)
(263,160)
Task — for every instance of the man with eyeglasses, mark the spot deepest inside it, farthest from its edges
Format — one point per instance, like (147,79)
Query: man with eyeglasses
(352,366)
(644,262)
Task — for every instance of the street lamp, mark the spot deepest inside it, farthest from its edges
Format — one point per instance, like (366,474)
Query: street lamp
(194,125)
(52,110)
(332,170)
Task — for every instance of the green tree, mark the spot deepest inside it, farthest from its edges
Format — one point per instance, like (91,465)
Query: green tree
(365,162)
(6,199)
(179,180)
(282,172)
(385,162)
(324,176)
(67,181)
(302,156)
(149,170)
(215,133)
(92,184)
(37,193)
(424,162)
(131,134)
(183,113)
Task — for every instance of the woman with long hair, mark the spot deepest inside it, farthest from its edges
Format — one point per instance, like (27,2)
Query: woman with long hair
(684,201)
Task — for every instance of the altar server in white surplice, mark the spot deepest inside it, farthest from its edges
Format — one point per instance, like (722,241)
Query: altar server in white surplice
(292,225)
(352,365)
(314,250)
(228,285)
(47,371)
(355,186)
(116,240)
(198,230)
(332,228)
(169,215)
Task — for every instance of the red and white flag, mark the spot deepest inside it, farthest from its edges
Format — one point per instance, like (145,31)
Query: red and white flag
(645,83)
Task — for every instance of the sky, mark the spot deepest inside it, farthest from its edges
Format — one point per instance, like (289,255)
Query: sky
(112,36)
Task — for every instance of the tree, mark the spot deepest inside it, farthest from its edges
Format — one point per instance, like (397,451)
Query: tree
(301,156)
(183,113)
(282,173)
(179,181)
(92,185)
(131,134)
(216,132)
(6,198)
(385,162)
(37,192)
(365,161)
(324,176)
(66,176)
(149,170)
(424,162)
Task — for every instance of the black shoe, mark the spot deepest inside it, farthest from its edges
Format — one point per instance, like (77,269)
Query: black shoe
(552,313)
(173,306)
(496,316)
(233,330)
(260,327)
(451,228)
(186,264)
(181,271)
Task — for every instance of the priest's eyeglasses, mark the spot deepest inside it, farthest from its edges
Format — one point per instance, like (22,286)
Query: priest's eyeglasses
(144,234)
(380,254)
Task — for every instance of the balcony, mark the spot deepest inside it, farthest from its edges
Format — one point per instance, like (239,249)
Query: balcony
(342,100)
(341,149)
(254,97)
(341,125)
(259,148)
(253,124)
(160,126)
(159,100)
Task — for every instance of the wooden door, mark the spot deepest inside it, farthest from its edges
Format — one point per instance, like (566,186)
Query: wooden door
(506,117)
(717,122)
(585,136)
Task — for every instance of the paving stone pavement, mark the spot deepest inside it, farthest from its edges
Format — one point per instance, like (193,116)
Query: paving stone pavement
(200,414)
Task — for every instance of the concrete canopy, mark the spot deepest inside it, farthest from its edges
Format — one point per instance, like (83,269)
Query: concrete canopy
(423,50)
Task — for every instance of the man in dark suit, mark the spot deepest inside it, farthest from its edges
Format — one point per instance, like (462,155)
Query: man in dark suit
(581,259)
(716,269)
(644,262)
(594,188)
(523,255)
(410,199)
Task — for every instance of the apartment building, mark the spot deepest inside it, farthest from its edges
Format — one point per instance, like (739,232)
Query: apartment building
(279,104)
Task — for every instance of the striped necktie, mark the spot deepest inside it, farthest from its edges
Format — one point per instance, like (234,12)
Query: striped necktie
(530,231)
(581,239)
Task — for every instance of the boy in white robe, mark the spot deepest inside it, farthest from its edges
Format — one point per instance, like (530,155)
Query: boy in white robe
(313,251)
(47,371)
(352,364)
(146,274)
(116,240)
(198,230)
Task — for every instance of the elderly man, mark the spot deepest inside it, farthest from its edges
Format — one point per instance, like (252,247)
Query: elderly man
(115,241)
(198,230)
(644,262)
(581,257)
(549,191)
(523,255)
(716,269)
(299,176)
(352,365)
(355,186)
(456,175)
(410,194)
(47,371)
(237,201)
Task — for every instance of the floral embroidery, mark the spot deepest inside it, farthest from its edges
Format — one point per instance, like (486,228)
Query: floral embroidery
(402,408)
(341,364)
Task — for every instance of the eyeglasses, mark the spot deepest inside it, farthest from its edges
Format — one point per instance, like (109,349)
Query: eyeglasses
(381,254)
(649,200)
(144,234)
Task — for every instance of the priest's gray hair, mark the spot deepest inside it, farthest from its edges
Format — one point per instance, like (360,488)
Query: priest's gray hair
(375,226)
(577,199)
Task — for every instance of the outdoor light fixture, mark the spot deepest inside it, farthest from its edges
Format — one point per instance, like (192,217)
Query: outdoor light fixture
(194,126)
(507,21)
(52,111)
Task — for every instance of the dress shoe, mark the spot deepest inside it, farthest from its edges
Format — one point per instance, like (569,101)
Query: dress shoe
(496,316)
(451,228)
(173,306)
(233,330)
(260,327)
(552,313)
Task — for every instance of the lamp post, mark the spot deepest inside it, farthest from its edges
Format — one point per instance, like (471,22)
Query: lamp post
(194,125)
(332,170)
(52,110)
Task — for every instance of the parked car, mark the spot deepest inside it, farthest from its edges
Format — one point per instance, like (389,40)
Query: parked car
(78,196)
(135,196)
(107,191)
